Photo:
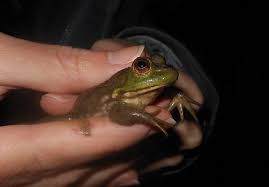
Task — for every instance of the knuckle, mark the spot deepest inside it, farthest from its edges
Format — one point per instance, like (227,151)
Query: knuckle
(68,59)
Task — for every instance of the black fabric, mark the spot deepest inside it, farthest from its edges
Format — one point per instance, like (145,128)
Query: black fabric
(60,22)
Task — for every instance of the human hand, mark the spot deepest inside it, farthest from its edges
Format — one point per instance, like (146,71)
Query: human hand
(54,153)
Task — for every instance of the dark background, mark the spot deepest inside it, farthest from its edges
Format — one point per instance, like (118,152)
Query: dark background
(228,38)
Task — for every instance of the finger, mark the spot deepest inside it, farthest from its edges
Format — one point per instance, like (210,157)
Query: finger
(116,175)
(111,44)
(120,174)
(62,178)
(189,88)
(58,69)
(58,145)
(104,176)
(167,162)
(57,104)
(190,135)
(128,178)
(115,44)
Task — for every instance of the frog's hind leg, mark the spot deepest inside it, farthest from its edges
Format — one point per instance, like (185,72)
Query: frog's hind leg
(127,115)
(183,102)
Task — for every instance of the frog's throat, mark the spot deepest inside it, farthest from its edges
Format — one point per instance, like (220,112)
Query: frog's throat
(142,91)
(142,100)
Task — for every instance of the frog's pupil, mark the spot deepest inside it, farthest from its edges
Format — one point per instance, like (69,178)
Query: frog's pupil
(141,64)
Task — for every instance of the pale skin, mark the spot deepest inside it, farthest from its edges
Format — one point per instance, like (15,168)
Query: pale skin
(55,153)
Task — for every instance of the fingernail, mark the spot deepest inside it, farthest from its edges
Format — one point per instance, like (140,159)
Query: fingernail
(171,121)
(133,182)
(60,98)
(126,55)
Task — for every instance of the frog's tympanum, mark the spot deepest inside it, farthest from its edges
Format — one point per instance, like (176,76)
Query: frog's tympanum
(124,96)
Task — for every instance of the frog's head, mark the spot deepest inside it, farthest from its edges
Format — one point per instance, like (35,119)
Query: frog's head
(145,80)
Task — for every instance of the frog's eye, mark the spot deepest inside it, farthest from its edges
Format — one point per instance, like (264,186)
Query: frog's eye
(141,65)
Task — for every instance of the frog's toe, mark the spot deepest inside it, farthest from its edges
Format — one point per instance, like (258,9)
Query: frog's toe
(183,102)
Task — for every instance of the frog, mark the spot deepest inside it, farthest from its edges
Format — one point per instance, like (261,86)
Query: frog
(125,95)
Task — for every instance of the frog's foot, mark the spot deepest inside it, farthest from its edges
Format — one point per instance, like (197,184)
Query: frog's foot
(183,102)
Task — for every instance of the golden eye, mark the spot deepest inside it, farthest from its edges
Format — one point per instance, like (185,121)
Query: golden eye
(141,65)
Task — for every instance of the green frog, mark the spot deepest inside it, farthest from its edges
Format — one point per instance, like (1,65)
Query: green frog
(125,95)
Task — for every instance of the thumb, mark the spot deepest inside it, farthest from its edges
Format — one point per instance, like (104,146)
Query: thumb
(58,69)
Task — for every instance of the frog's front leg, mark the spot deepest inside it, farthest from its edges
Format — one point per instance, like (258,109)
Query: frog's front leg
(182,101)
(125,114)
